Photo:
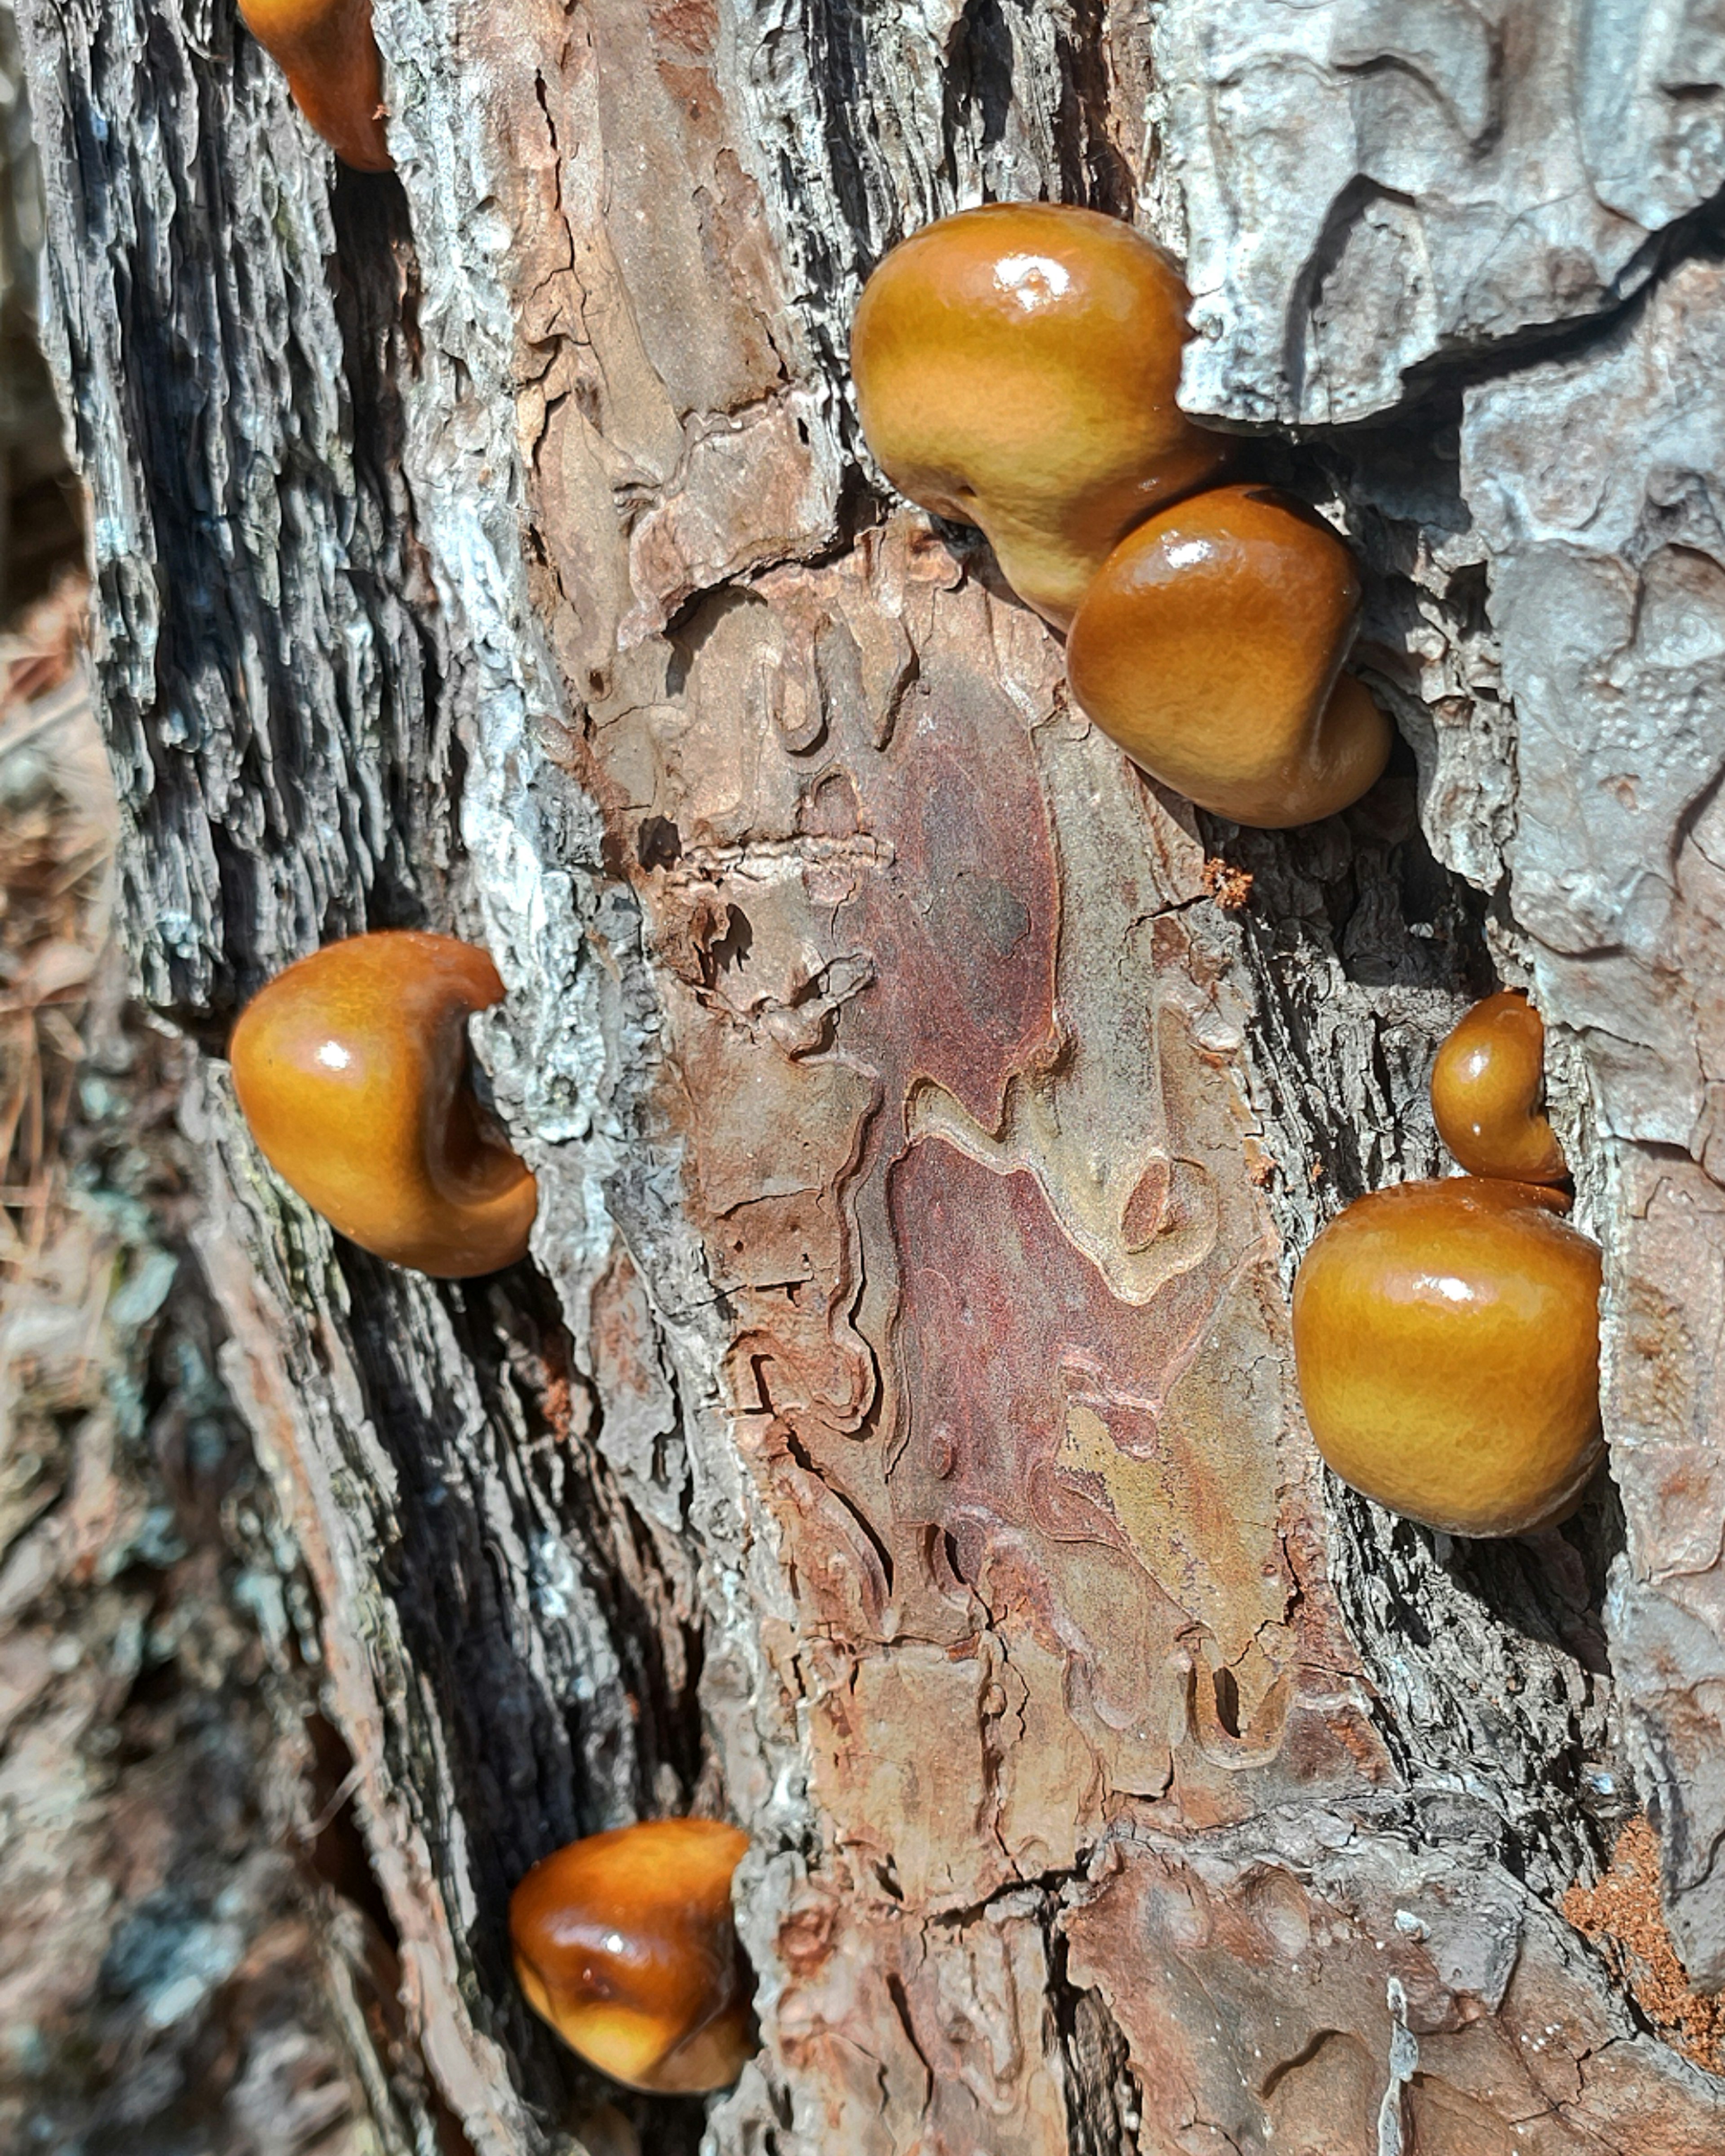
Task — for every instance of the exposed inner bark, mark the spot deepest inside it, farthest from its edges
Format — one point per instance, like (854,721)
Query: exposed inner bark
(894,1446)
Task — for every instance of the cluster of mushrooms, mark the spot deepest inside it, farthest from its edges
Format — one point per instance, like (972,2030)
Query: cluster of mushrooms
(1446,1334)
(1016,368)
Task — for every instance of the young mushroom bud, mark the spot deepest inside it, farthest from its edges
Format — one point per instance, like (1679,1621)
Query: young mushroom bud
(1209,646)
(1015,368)
(1485,1087)
(329,55)
(1447,1336)
(623,1943)
(351,1068)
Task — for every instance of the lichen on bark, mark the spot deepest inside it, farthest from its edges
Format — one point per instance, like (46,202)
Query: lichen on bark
(895,1444)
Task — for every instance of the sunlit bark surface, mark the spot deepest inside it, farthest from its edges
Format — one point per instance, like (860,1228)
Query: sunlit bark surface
(893,1442)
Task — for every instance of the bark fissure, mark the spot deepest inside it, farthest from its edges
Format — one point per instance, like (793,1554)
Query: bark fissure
(928,1114)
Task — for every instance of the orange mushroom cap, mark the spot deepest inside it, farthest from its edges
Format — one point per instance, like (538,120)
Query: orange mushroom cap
(1208,646)
(351,1069)
(328,51)
(1447,1340)
(1015,368)
(625,1943)
(1486,1085)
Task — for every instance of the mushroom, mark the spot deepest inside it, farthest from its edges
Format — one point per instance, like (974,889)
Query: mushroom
(1209,646)
(1446,1338)
(1486,1086)
(1015,368)
(625,1943)
(352,1070)
(326,50)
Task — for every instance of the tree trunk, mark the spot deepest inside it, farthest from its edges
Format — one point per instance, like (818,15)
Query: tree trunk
(893,1441)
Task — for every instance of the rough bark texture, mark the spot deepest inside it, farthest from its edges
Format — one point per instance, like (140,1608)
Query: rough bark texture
(893,1442)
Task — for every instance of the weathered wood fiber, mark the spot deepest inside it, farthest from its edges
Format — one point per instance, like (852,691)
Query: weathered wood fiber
(928,1113)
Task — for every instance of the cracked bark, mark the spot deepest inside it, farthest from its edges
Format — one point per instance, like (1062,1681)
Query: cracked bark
(892,1441)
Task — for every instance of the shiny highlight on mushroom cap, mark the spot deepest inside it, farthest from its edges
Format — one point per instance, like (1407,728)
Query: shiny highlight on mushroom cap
(1446,1337)
(625,1943)
(1485,1088)
(1015,368)
(329,54)
(351,1068)
(1209,647)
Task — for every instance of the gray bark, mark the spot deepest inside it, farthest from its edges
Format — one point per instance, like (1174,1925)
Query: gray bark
(494,547)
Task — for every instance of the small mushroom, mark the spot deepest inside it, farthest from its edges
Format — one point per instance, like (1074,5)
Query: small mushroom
(328,51)
(1447,1340)
(1485,1088)
(351,1068)
(625,1943)
(1015,368)
(1209,646)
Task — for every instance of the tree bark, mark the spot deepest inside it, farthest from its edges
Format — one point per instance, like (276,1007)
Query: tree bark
(892,1442)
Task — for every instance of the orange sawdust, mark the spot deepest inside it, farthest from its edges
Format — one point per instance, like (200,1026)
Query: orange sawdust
(1623,1917)
(1230,887)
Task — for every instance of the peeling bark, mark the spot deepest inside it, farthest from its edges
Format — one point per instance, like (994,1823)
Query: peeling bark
(893,1441)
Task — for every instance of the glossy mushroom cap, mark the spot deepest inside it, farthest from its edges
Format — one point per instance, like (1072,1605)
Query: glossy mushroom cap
(1015,368)
(1486,1086)
(351,1069)
(1447,1339)
(623,1943)
(1209,645)
(329,55)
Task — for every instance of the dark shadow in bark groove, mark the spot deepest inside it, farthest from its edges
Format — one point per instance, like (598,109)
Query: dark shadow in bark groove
(1482,1651)
(977,80)
(544,1743)
(1092,171)
(225,398)
(376,280)
(836,39)
(1360,896)
(1104,2105)
(1360,947)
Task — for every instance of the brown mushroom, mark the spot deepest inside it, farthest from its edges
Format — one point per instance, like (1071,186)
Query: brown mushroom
(1015,368)
(1209,646)
(625,1943)
(351,1069)
(328,51)
(1485,1088)
(1447,1336)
